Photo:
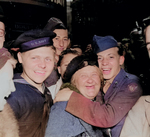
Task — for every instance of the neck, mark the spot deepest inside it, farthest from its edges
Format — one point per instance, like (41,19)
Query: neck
(39,86)
(107,84)
(41,89)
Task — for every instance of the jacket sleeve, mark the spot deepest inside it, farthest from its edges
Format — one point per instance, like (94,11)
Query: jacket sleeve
(137,123)
(107,114)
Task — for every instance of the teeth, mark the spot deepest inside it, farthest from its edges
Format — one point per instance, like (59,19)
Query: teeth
(106,69)
(39,72)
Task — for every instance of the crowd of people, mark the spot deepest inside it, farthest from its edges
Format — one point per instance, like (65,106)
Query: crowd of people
(51,88)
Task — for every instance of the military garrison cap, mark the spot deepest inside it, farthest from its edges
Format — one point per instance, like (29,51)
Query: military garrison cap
(54,23)
(33,39)
(103,43)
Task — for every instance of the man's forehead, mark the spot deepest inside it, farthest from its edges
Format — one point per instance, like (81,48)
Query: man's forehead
(2,26)
(61,32)
(109,51)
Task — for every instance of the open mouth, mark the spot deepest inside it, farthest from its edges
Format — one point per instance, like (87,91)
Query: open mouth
(90,87)
(40,72)
(106,71)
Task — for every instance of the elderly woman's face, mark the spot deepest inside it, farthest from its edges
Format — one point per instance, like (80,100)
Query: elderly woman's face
(87,80)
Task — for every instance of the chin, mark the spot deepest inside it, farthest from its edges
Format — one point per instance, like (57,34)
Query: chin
(106,77)
(40,81)
(90,97)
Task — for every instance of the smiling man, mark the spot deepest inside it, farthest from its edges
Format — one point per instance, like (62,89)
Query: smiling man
(120,92)
(62,40)
(31,101)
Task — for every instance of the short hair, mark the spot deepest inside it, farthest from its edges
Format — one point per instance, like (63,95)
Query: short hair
(67,51)
(76,46)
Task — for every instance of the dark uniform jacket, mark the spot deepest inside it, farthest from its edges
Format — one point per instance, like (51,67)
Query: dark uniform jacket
(118,100)
(31,108)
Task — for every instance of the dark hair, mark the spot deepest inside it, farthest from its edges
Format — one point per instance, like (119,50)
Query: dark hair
(67,51)
(76,46)
(60,27)
(121,49)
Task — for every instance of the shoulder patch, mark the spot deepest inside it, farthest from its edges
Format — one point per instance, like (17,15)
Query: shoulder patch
(132,87)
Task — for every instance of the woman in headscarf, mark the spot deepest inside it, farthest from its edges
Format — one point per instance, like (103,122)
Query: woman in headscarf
(83,76)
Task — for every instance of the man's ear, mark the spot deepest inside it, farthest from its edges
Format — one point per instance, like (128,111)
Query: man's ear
(19,55)
(59,71)
(121,60)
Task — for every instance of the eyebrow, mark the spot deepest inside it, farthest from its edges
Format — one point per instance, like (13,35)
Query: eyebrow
(107,54)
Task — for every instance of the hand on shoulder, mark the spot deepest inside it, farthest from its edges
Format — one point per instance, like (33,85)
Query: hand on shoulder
(63,95)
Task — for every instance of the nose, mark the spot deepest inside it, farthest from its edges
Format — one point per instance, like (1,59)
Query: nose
(61,43)
(42,64)
(104,62)
(90,80)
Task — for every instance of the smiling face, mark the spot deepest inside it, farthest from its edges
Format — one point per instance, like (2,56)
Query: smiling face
(61,41)
(37,64)
(87,81)
(109,62)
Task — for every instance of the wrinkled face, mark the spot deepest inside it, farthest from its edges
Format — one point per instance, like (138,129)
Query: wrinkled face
(37,64)
(87,81)
(7,84)
(110,62)
(2,34)
(61,41)
(64,63)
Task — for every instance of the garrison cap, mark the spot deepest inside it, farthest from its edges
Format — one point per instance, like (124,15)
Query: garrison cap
(103,43)
(88,58)
(34,39)
(54,23)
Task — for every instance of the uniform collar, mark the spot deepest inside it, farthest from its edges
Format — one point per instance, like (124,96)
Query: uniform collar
(17,78)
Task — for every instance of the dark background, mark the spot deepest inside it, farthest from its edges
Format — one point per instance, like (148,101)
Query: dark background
(89,17)
(107,17)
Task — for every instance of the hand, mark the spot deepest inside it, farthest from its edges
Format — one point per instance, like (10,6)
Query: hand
(63,95)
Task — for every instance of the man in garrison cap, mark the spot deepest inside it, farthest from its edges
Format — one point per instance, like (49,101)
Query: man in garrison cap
(120,92)
(31,100)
